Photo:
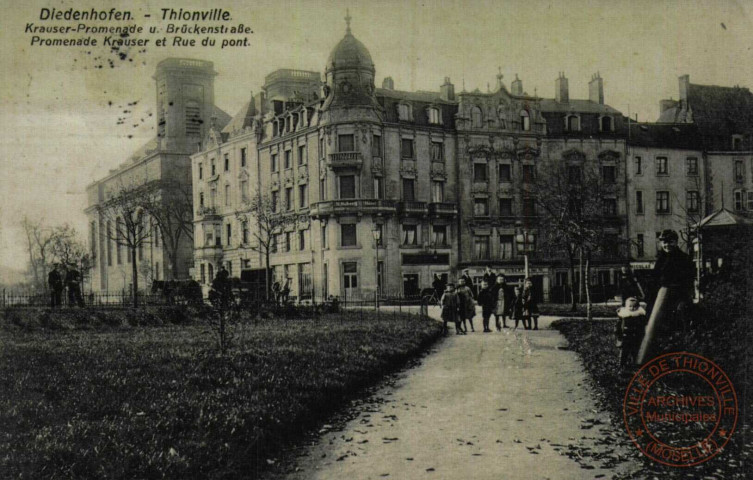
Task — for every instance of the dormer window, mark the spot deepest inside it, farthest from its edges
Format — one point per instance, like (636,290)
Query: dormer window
(525,120)
(476,120)
(573,123)
(434,117)
(404,112)
(607,124)
(737,142)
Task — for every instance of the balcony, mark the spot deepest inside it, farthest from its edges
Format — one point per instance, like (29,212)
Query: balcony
(212,253)
(352,206)
(413,209)
(443,209)
(208,213)
(343,160)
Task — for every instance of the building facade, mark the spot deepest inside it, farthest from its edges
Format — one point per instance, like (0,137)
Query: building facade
(391,188)
(185,109)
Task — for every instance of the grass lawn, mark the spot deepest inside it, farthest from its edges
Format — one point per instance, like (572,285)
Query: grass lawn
(158,402)
(727,346)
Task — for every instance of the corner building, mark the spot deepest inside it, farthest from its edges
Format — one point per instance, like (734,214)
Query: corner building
(391,187)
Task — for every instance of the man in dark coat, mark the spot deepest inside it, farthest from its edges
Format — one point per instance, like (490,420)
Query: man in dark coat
(55,282)
(675,271)
(490,277)
(73,283)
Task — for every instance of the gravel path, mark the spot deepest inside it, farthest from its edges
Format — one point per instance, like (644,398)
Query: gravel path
(509,405)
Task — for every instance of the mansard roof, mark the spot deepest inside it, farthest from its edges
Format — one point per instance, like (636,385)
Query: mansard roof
(550,105)
(683,136)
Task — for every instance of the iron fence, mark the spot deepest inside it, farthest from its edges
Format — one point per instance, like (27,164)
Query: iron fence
(92,299)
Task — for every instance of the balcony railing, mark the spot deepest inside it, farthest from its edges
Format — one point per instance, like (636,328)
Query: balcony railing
(345,159)
(413,208)
(442,209)
(346,206)
(208,213)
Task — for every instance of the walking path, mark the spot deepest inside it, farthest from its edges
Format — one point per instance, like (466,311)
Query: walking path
(509,405)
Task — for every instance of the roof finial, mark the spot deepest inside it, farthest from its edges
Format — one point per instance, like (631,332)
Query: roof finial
(348,18)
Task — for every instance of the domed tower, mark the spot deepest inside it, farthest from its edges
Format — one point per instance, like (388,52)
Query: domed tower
(350,74)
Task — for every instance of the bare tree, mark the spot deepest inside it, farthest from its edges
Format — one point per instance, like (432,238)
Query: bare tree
(170,206)
(576,204)
(39,239)
(124,209)
(47,245)
(263,209)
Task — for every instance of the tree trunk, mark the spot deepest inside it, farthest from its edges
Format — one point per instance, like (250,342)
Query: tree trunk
(135,274)
(580,277)
(589,314)
(266,272)
(174,263)
(571,255)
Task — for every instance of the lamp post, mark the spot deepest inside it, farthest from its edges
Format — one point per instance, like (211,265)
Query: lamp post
(377,233)
(526,245)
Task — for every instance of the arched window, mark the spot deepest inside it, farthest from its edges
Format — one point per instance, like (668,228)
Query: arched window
(525,120)
(606,124)
(434,117)
(573,123)
(476,121)
(404,112)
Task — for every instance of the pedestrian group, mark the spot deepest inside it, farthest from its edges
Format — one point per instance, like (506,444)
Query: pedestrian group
(496,297)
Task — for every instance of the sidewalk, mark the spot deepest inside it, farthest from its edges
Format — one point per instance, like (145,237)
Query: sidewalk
(509,405)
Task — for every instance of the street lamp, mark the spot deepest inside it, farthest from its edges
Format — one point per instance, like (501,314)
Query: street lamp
(526,243)
(377,233)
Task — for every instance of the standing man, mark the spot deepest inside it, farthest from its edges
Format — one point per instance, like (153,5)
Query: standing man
(674,273)
(490,277)
(73,283)
(55,282)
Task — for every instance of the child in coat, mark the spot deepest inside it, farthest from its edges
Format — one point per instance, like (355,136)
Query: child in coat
(466,305)
(629,330)
(449,302)
(517,308)
(487,299)
(530,307)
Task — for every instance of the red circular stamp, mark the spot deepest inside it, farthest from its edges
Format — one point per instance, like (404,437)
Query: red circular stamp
(680,409)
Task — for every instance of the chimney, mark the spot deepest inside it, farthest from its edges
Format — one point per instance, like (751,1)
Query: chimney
(447,90)
(684,87)
(561,91)
(388,83)
(596,89)
(517,86)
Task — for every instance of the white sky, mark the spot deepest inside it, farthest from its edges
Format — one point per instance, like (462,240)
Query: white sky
(59,131)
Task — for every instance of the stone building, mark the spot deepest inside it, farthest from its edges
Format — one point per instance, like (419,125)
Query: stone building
(666,181)
(393,187)
(185,108)
(508,139)
(724,118)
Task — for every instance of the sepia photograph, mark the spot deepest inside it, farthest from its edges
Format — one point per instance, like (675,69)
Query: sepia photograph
(420,239)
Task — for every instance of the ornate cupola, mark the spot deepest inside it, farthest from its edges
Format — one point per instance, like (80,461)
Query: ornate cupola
(350,74)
